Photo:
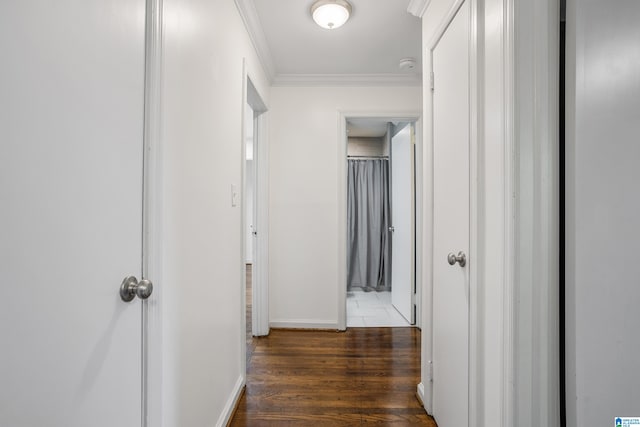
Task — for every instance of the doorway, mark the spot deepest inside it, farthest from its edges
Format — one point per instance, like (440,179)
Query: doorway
(254,230)
(250,227)
(380,222)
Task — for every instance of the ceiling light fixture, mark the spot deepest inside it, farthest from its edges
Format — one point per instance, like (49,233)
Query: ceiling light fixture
(330,14)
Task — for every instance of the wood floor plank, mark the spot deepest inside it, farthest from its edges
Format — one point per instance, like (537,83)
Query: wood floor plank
(365,376)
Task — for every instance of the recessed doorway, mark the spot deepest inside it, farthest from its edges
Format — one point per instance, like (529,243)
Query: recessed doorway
(380,222)
(254,204)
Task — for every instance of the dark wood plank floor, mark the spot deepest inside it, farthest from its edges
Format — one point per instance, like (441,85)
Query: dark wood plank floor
(249,301)
(324,378)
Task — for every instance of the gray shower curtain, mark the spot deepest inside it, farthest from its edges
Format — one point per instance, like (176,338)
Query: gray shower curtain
(368,206)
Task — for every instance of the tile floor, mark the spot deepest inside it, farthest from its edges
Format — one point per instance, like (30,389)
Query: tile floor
(372,309)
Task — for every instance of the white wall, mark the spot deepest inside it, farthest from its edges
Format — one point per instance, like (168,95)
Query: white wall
(202,146)
(603,236)
(357,146)
(303,183)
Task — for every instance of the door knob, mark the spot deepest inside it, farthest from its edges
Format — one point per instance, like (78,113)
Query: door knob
(392,229)
(461,258)
(131,287)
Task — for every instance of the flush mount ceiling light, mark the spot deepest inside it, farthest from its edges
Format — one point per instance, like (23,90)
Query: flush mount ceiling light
(330,14)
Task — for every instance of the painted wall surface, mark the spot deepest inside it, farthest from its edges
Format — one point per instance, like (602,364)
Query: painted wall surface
(603,236)
(357,146)
(202,147)
(303,207)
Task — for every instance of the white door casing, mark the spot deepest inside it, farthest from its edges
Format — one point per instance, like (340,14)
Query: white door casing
(341,191)
(402,241)
(451,132)
(254,119)
(71,125)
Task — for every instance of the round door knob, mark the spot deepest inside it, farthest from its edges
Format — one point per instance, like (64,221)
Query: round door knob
(461,258)
(130,287)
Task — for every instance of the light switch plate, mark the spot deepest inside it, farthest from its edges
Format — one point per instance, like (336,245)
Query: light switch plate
(234,195)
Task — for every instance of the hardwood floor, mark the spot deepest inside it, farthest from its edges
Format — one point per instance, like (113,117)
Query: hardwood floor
(249,302)
(323,378)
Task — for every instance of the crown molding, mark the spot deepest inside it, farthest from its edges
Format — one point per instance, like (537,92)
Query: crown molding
(412,79)
(418,7)
(249,16)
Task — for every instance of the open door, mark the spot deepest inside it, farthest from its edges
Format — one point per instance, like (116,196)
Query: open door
(402,220)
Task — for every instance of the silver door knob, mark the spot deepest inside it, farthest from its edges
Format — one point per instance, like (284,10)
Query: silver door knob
(392,229)
(131,287)
(461,258)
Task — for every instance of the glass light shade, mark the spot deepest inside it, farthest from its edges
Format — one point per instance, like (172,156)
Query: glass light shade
(330,14)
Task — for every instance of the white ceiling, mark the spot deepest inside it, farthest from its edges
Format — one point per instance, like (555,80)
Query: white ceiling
(368,47)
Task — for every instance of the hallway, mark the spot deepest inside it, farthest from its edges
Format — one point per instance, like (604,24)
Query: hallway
(326,378)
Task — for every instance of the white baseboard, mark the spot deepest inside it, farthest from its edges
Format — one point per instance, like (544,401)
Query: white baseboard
(420,393)
(422,398)
(230,406)
(303,324)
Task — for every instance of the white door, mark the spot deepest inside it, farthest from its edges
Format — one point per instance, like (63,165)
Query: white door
(71,132)
(451,223)
(402,223)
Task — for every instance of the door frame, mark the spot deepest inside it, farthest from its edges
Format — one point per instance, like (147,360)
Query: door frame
(152,236)
(260,272)
(392,116)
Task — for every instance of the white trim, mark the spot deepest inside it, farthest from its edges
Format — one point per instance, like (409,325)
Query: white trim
(360,80)
(427,240)
(249,15)
(476,132)
(152,318)
(261,263)
(418,7)
(243,225)
(442,27)
(510,173)
(230,405)
(304,324)
(341,279)
(342,221)
(420,394)
(260,291)
(418,220)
